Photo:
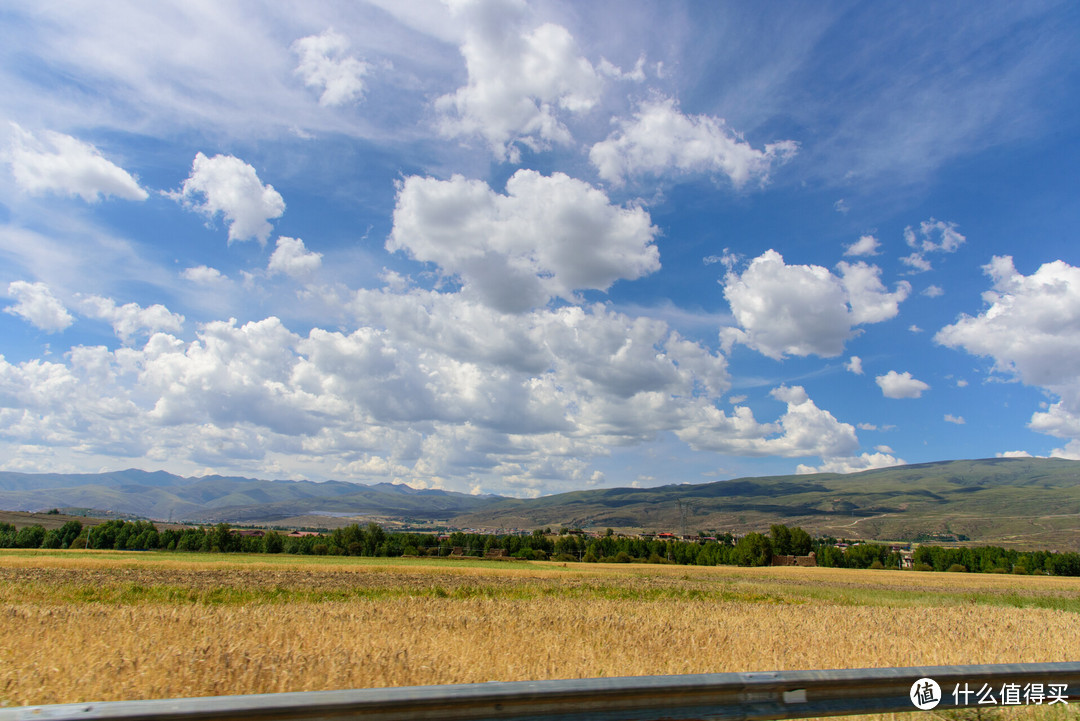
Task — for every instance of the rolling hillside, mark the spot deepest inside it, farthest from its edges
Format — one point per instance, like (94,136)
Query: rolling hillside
(1030,502)
(1021,501)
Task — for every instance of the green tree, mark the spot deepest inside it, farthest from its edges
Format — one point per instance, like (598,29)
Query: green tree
(223,539)
(374,537)
(272,542)
(753,549)
(801,542)
(69,532)
(829,556)
(781,539)
(30,536)
(52,538)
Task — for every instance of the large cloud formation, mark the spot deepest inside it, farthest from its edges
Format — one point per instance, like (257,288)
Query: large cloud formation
(547,236)
(805,310)
(432,388)
(1031,330)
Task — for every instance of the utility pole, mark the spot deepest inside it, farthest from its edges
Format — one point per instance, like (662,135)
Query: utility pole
(683,508)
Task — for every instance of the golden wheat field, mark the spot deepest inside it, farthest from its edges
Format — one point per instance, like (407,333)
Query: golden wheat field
(82,626)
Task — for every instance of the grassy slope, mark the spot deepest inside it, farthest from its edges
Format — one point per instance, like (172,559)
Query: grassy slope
(1027,501)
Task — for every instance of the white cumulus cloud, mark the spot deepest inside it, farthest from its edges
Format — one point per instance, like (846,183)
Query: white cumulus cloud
(519,81)
(804,309)
(231,187)
(293,259)
(203,274)
(854,365)
(130,319)
(54,162)
(324,66)
(1031,330)
(865,245)
(869,300)
(901,385)
(1030,327)
(660,138)
(547,236)
(803,430)
(35,303)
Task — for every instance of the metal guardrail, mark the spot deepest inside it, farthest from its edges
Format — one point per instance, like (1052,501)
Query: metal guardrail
(716,697)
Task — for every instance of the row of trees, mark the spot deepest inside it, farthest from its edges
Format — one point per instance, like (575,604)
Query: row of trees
(991,559)
(753,549)
(37,537)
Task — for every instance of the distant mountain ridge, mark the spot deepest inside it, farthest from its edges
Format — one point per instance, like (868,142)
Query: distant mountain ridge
(160,495)
(1014,501)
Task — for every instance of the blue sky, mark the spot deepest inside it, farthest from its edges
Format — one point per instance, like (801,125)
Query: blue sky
(525,248)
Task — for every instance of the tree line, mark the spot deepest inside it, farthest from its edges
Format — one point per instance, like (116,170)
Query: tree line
(753,549)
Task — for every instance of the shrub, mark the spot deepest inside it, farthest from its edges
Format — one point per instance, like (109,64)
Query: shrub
(1020,570)
(877,564)
(923,567)
(622,557)
(956,568)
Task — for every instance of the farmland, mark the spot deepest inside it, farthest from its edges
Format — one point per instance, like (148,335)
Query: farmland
(77,626)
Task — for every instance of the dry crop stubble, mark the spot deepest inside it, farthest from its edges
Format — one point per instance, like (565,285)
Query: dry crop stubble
(107,631)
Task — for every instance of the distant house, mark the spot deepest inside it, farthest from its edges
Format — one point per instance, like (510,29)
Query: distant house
(301,534)
(245,532)
(665,536)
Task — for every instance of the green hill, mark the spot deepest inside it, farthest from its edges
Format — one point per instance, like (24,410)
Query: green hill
(1013,501)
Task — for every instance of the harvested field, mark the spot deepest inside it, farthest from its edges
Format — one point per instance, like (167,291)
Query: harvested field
(78,626)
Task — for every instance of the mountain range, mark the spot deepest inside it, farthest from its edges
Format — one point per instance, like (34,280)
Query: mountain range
(164,496)
(1033,502)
